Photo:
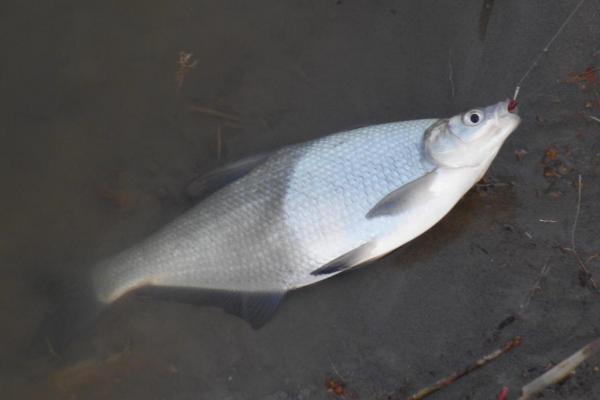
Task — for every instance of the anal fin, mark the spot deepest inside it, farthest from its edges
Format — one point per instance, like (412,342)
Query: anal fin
(257,308)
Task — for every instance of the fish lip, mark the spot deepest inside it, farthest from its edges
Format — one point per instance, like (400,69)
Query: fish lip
(506,118)
(503,108)
(506,109)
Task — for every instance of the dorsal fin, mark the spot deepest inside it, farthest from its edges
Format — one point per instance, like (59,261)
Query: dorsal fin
(206,184)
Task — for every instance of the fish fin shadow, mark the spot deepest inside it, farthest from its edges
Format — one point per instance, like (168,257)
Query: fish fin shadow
(257,308)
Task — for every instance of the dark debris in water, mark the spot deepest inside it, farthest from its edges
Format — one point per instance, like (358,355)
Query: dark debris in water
(586,79)
(557,168)
(484,17)
(338,388)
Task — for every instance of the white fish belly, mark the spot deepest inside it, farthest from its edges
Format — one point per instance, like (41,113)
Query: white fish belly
(448,187)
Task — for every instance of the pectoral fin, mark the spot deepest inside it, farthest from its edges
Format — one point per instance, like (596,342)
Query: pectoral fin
(215,180)
(403,198)
(354,257)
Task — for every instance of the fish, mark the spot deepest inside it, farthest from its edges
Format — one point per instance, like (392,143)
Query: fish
(280,221)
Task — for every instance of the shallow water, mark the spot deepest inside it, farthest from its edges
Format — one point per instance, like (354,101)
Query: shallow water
(98,141)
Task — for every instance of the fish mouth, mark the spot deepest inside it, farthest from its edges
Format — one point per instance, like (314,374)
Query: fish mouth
(507,108)
(507,116)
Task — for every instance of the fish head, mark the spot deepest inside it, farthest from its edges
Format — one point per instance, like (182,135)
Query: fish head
(471,138)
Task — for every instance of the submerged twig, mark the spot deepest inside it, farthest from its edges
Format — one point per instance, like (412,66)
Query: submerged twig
(450,72)
(577,211)
(537,286)
(219,141)
(582,267)
(559,371)
(51,349)
(335,371)
(421,394)
(215,113)
(492,185)
(184,65)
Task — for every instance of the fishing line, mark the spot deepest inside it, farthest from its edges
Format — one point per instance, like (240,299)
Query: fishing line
(545,49)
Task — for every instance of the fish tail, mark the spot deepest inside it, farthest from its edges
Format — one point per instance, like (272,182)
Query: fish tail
(73,312)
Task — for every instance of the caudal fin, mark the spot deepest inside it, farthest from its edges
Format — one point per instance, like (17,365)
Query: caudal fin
(73,313)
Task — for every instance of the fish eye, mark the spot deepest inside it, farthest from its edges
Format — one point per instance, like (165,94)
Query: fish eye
(473,117)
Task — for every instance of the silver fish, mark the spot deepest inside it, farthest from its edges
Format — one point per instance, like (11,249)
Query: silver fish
(310,211)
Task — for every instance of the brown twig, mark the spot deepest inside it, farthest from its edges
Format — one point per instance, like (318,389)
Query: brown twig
(537,286)
(578,210)
(219,141)
(335,371)
(583,76)
(184,65)
(492,184)
(592,257)
(51,349)
(560,370)
(582,267)
(421,394)
(215,113)
(450,72)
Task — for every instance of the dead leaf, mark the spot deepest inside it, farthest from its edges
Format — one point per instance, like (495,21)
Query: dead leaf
(336,387)
(184,65)
(563,169)
(520,154)
(590,76)
(551,154)
(549,172)
(555,194)
(123,200)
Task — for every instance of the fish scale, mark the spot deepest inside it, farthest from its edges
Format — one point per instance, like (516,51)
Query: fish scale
(371,163)
(266,231)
